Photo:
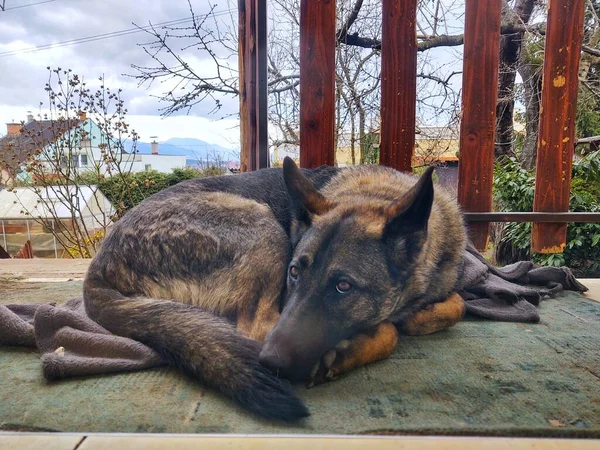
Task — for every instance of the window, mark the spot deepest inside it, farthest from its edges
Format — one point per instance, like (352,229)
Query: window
(84,160)
(148,167)
(74,160)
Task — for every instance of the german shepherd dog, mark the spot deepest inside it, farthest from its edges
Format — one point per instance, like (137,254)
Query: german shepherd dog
(304,274)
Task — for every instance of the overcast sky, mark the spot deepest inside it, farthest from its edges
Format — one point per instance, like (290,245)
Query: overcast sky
(24,74)
(27,24)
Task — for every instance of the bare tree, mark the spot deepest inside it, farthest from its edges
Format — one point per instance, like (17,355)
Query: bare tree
(62,154)
(517,17)
(213,38)
(439,24)
(530,69)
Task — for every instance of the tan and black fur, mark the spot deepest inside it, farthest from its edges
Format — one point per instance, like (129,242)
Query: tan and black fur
(207,271)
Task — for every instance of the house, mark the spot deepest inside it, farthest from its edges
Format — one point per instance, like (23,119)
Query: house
(282,150)
(342,156)
(50,217)
(432,144)
(72,145)
(139,162)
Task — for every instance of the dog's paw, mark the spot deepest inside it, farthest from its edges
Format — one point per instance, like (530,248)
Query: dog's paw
(369,346)
(330,365)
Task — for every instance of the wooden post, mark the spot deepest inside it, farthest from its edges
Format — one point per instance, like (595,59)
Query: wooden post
(478,124)
(252,58)
(317,82)
(564,34)
(398,83)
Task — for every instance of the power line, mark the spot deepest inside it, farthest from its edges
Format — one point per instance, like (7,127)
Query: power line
(109,35)
(3,8)
(92,38)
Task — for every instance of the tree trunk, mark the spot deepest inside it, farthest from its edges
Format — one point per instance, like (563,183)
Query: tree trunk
(510,49)
(352,139)
(532,90)
(362,134)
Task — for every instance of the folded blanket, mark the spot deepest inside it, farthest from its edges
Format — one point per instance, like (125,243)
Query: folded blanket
(510,293)
(71,344)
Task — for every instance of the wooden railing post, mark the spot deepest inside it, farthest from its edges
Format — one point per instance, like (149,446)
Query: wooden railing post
(317,82)
(564,34)
(478,123)
(252,58)
(398,83)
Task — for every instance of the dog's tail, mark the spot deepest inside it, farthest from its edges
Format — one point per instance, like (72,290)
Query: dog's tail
(203,345)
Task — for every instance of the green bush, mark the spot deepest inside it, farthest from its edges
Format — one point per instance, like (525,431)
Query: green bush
(514,191)
(125,190)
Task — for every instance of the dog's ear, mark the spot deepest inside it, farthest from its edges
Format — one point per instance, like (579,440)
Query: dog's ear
(407,218)
(306,200)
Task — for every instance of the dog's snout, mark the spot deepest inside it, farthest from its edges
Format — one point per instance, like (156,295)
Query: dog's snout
(274,360)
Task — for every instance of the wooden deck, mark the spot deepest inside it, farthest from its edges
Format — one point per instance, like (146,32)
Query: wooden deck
(158,442)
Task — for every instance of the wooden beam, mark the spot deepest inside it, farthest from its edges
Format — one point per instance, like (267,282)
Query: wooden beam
(252,61)
(478,124)
(561,217)
(317,82)
(564,35)
(398,83)
(263,106)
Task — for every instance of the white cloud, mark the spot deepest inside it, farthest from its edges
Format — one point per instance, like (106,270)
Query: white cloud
(24,74)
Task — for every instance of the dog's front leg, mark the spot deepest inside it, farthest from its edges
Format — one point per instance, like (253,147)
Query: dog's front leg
(367,347)
(435,317)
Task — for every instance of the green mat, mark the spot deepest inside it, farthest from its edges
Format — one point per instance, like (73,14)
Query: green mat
(480,377)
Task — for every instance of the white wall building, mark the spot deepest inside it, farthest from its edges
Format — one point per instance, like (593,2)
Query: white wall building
(77,143)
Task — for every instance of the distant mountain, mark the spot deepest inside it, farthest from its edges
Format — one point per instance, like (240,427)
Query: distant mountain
(196,151)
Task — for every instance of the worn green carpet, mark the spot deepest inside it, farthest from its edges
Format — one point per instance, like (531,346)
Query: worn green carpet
(479,377)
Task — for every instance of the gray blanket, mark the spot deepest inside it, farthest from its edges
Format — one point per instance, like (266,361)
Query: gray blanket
(71,344)
(510,293)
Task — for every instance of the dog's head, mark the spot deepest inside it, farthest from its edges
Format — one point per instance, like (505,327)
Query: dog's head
(348,270)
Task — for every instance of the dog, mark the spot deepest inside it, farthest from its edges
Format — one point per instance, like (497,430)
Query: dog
(284,272)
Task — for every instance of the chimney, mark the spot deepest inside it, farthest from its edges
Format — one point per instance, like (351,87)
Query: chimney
(29,117)
(13,129)
(154,145)
(82,116)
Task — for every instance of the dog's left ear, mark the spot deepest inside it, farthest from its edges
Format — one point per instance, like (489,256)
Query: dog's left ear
(307,200)
(411,213)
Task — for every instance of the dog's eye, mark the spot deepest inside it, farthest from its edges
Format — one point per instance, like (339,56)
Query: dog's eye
(343,287)
(294,272)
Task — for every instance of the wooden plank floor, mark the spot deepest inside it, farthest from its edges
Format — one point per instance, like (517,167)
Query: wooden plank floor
(161,442)
(593,285)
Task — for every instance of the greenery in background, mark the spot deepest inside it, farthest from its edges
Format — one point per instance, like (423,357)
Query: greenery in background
(369,154)
(514,190)
(587,118)
(141,185)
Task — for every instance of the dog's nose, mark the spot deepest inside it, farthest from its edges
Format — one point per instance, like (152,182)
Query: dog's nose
(274,360)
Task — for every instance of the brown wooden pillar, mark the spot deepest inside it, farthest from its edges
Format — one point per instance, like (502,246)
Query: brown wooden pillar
(252,57)
(478,123)
(317,82)
(564,34)
(398,83)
